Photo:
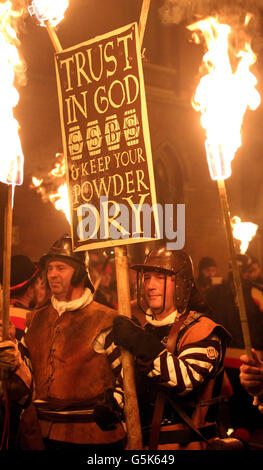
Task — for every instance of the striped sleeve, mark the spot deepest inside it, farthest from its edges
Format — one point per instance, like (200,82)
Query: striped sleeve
(194,363)
(24,351)
(104,344)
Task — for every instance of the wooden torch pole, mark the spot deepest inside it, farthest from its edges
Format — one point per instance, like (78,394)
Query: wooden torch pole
(8,217)
(53,37)
(236,273)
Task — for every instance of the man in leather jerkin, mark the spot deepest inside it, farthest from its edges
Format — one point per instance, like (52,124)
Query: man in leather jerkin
(69,376)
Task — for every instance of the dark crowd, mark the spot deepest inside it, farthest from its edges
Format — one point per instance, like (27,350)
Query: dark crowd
(61,368)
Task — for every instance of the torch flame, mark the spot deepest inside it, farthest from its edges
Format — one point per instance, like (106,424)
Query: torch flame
(36,181)
(51,11)
(60,200)
(243,231)
(58,195)
(11,159)
(223,94)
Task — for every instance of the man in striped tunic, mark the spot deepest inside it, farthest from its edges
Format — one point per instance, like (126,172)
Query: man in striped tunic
(179,354)
(23,291)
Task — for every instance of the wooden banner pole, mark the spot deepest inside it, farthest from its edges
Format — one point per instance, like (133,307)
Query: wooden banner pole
(124,307)
(132,417)
(235,269)
(143,19)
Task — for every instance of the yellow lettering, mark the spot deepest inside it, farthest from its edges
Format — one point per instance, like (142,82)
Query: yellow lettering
(115,177)
(102,100)
(124,40)
(137,210)
(122,94)
(72,103)
(76,193)
(74,172)
(124,158)
(93,168)
(100,164)
(84,171)
(110,59)
(140,176)
(117,157)
(140,156)
(67,62)
(86,191)
(89,51)
(128,80)
(80,71)
(107,161)
(102,185)
(129,181)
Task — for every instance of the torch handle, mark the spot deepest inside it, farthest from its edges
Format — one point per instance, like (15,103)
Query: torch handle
(53,36)
(236,273)
(124,307)
(8,217)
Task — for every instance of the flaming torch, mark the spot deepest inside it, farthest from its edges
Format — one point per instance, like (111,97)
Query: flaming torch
(11,159)
(223,95)
(54,188)
(49,13)
(244,232)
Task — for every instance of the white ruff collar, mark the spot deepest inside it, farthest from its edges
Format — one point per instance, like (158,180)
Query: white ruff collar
(61,306)
(166,321)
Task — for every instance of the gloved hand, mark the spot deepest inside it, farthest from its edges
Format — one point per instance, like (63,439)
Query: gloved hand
(10,357)
(251,373)
(107,413)
(146,346)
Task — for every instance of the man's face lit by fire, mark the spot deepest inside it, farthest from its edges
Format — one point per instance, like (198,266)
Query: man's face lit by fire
(59,276)
(210,271)
(154,293)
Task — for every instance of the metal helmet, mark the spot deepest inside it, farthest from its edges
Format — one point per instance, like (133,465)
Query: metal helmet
(171,262)
(62,249)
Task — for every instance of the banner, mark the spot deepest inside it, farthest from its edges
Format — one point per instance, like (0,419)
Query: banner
(106,141)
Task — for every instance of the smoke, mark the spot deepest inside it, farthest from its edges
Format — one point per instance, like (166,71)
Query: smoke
(232,12)
(181,11)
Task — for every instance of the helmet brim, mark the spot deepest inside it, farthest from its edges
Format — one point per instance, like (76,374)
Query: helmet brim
(148,267)
(66,259)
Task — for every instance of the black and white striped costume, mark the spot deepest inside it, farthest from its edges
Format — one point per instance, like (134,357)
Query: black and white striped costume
(184,371)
